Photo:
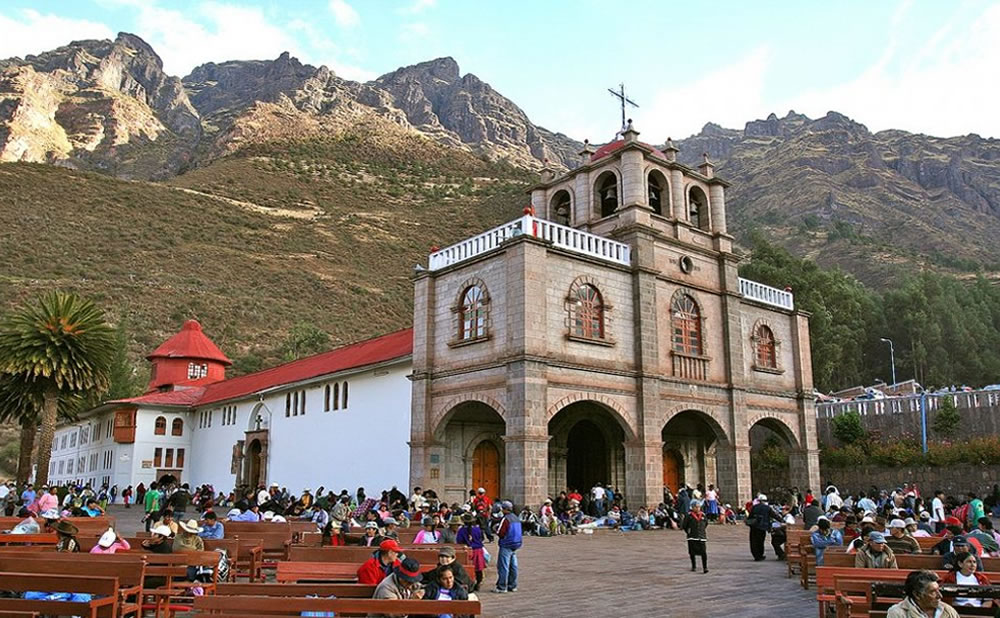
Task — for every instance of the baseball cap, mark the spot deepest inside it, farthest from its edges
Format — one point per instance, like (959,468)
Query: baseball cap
(447,550)
(390,545)
(876,537)
(897,523)
(959,539)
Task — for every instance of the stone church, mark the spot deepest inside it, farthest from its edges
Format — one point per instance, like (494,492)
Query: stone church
(606,337)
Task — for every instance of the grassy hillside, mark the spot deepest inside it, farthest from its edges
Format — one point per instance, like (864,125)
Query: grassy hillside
(324,231)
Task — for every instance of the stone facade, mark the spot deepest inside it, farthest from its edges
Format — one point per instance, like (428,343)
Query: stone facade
(572,406)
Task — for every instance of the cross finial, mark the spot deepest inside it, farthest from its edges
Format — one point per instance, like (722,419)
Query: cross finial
(623,100)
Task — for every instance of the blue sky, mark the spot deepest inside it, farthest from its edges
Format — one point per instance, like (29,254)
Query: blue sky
(923,66)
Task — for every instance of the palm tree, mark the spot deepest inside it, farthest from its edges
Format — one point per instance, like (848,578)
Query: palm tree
(60,347)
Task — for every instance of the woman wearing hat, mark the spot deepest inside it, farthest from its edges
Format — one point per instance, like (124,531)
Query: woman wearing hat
(370,538)
(428,535)
(449,534)
(159,541)
(187,538)
(110,543)
(51,516)
(67,537)
(471,535)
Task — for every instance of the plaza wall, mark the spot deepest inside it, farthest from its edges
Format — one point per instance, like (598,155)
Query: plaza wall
(901,418)
(953,480)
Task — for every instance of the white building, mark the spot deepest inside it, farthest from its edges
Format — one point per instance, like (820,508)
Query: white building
(337,419)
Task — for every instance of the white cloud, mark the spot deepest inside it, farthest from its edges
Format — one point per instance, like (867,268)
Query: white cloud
(344,14)
(728,95)
(31,32)
(418,6)
(948,88)
(413,32)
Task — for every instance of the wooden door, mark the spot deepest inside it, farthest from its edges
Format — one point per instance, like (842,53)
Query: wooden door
(486,468)
(672,470)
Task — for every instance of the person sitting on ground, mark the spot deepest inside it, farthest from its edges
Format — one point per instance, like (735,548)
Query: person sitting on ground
(729,514)
(446,559)
(875,554)
(67,537)
(381,564)
(959,544)
(899,541)
(966,573)
(445,586)
(187,539)
(403,582)
(428,535)
(923,598)
(110,543)
(984,534)
(213,528)
(824,536)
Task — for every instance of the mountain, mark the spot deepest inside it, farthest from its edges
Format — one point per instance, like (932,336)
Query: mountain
(870,202)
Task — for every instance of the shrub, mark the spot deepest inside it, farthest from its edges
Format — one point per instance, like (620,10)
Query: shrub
(847,427)
(948,419)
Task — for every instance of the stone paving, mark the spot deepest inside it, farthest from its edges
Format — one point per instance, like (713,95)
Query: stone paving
(634,574)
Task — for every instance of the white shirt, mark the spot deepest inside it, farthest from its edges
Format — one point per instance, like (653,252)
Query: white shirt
(711,495)
(263,496)
(937,509)
(967,580)
(4,490)
(418,500)
(598,493)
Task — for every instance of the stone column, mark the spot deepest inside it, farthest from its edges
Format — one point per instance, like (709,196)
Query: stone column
(806,464)
(643,473)
(717,200)
(583,207)
(633,183)
(421,402)
(540,203)
(678,206)
(557,469)
(734,472)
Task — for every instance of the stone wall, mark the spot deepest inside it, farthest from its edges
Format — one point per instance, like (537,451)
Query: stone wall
(953,480)
(977,421)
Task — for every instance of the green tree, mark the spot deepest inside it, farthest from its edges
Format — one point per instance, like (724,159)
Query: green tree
(948,419)
(305,339)
(123,381)
(60,347)
(847,427)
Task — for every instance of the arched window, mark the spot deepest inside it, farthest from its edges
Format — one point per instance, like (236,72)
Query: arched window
(607,194)
(698,208)
(656,187)
(764,351)
(161,426)
(343,403)
(336,395)
(560,207)
(177,427)
(588,313)
(685,320)
(472,314)
(326,399)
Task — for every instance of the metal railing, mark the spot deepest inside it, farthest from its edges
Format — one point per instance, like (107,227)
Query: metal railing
(908,403)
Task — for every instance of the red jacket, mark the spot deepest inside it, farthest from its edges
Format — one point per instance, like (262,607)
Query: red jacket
(951,577)
(482,504)
(372,572)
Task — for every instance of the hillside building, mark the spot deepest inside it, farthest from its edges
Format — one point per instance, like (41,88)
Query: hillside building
(603,337)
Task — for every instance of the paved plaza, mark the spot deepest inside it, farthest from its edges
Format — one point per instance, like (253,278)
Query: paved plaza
(634,574)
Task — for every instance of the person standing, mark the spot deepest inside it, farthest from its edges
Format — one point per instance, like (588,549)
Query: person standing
(711,507)
(152,505)
(471,535)
(127,497)
(509,534)
(695,526)
(759,521)
(937,511)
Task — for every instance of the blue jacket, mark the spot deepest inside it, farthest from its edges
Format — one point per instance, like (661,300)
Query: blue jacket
(820,542)
(510,532)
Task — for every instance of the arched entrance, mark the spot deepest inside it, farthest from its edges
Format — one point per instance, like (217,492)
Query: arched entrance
(586,447)
(486,468)
(771,443)
(467,452)
(693,437)
(673,469)
(585,465)
(253,478)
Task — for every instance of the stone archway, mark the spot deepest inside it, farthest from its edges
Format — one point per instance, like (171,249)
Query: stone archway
(586,447)
(253,464)
(772,448)
(698,441)
(467,452)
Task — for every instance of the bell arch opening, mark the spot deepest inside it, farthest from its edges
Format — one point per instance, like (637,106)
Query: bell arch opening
(606,194)
(561,208)
(657,193)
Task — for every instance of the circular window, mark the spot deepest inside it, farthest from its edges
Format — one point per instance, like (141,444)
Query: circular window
(687,265)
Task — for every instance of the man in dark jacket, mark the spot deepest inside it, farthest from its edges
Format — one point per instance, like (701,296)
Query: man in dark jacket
(446,560)
(759,521)
(811,515)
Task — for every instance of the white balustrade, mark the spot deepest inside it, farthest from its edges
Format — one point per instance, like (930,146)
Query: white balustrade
(766,294)
(561,236)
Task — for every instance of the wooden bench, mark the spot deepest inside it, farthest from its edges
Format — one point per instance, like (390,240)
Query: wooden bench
(794,539)
(274,544)
(128,573)
(838,557)
(231,606)
(348,553)
(103,605)
(345,572)
(886,594)
(349,591)
(28,539)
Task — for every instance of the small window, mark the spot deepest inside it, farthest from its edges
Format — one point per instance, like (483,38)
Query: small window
(302,404)
(764,348)
(158,457)
(161,426)
(343,393)
(472,318)
(685,320)
(72,439)
(62,467)
(588,313)
(180,458)
(336,396)
(326,398)
(288,404)
(62,443)
(69,466)
(97,431)
(177,429)
(197,370)
(169,460)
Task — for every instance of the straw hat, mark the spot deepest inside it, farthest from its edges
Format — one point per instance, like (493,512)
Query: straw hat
(107,539)
(191,526)
(161,530)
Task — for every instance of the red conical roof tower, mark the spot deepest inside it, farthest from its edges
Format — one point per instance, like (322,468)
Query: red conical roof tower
(189,358)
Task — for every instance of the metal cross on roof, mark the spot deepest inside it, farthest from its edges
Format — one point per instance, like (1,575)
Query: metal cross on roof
(620,95)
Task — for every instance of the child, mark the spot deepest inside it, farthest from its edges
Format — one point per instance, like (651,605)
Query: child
(729,514)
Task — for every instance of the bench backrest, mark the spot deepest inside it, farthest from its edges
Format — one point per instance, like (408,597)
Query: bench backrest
(26,582)
(347,553)
(127,573)
(350,591)
(284,606)
(28,539)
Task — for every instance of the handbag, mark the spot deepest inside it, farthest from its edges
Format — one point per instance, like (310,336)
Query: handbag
(486,555)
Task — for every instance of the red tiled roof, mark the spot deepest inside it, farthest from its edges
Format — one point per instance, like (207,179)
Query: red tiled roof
(190,343)
(370,352)
(616,145)
(182,397)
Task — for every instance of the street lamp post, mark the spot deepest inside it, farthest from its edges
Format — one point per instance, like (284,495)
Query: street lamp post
(892,357)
